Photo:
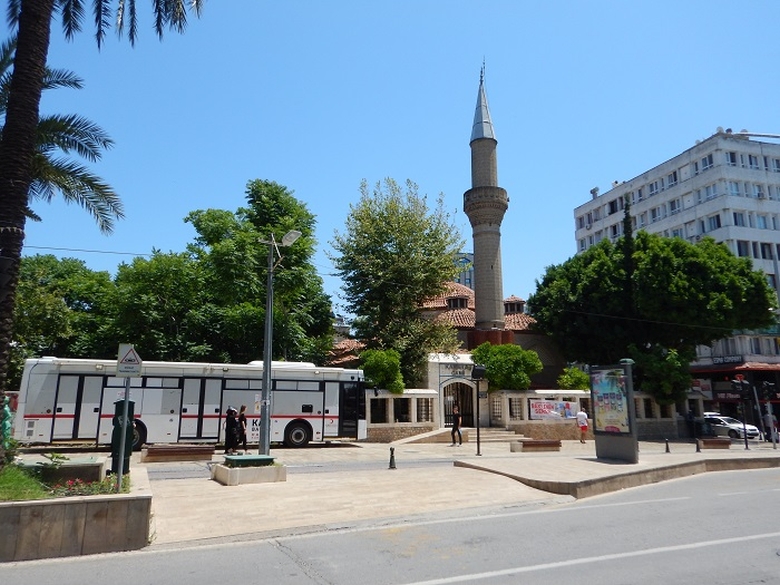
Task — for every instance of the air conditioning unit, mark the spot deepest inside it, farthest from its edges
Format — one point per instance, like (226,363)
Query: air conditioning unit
(588,226)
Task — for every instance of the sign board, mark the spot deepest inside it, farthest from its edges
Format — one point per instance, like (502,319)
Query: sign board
(609,391)
(551,409)
(128,361)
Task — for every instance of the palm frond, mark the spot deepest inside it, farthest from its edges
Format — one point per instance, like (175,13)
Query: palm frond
(72,133)
(72,15)
(78,185)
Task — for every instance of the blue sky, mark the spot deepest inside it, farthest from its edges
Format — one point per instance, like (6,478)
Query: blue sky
(319,95)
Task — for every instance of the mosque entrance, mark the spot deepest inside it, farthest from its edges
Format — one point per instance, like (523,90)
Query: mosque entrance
(462,395)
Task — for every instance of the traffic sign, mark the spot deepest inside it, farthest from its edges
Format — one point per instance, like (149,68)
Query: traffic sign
(128,362)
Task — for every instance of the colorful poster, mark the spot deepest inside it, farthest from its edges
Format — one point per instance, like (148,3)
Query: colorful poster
(610,402)
(551,409)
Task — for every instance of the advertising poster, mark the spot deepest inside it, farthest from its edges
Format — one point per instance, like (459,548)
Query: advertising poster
(551,409)
(610,403)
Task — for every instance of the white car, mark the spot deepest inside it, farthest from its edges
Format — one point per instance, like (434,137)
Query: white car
(730,427)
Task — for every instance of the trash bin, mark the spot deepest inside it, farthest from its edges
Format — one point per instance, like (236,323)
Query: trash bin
(116,436)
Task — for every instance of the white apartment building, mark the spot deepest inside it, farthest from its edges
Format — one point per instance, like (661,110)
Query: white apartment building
(726,187)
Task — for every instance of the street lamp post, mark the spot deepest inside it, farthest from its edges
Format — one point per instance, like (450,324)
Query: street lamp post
(477,374)
(265,402)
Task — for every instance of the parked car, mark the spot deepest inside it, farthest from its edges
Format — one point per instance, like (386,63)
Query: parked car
(726,426)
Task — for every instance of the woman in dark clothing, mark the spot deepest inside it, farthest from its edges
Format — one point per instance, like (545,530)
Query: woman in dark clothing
(231,431)
(242,426)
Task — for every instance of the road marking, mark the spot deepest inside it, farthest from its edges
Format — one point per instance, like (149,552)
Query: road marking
(588,560)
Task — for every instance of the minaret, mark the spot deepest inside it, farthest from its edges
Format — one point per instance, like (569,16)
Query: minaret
(485,204)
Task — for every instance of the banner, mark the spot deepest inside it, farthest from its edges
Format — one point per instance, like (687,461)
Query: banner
(551,409)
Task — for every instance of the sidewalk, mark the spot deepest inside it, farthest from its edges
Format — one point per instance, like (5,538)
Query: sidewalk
(363,487)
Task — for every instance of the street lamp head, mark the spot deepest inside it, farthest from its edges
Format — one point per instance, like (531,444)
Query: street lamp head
(289,238)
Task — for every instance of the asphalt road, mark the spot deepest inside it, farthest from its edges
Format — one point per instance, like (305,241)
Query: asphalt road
(715,528)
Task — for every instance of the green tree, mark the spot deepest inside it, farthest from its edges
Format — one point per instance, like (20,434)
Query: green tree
(63,309)
(382,369)
(573,378)
(507,366)
(395,253)
(31,20)
(65,133)
(684,295)
(232,254)
(157,307)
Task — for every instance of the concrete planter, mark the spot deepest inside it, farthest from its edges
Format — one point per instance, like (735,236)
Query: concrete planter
(240,475)
(79,525)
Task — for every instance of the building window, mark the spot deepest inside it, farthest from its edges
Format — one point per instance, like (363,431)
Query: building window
(761,222)
(713,222)
(378,410)
(755,345)
(776,165)
(655,214)
(614,231)
(731,159)
(674,206)
(582,245)
(677,232)
(766,252)
(671,180)
(580,222)
(706,162)
(643,219)
(640,195)
(653,189)
(739,218)
(613,206)
(425,410)
(734,188)
(711,191)
(758,191)
(401,410)
(743,249)
(753,162)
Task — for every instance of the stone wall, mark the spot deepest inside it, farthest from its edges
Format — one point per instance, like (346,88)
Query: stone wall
(390,433)
(563,430)
(80,525)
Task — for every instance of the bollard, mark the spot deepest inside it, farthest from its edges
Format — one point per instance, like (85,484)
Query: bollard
(698,447)
(667,446)
(392,458)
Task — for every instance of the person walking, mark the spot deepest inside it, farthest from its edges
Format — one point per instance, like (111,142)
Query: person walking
(582,423)
(242,427)
(456,420)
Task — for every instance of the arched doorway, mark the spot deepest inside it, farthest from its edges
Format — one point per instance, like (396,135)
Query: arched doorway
(462,395)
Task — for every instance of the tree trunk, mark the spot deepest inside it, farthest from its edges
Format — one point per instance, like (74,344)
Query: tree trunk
(17,147)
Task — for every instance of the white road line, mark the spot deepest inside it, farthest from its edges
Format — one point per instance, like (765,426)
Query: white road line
(597,559)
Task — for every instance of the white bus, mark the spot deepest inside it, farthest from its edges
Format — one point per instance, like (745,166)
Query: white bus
(67,400)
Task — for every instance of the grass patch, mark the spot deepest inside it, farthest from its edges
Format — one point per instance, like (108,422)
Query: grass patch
(17,483)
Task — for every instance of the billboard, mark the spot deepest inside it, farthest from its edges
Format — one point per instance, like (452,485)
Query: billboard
(610,400)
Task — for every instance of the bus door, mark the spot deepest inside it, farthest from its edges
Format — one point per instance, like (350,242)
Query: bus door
(331,422)
(65,407)
(352,408)
(89,413)
(200,408)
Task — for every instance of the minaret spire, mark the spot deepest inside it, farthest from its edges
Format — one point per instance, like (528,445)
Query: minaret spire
(485,205)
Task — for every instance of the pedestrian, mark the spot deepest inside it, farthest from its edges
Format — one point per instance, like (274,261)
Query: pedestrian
(582,422)
(231,431)
(242,427)
(456,420)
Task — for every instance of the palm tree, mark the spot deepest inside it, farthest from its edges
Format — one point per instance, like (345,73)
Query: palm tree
(32,20)
(65,133)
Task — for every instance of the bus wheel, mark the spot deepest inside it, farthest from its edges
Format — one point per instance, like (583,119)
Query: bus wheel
(297,435)
(139,435)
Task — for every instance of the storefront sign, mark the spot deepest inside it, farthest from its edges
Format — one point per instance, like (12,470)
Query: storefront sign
(728,359)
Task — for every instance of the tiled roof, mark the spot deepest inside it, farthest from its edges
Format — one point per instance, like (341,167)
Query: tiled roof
(452,289)
(346,352)
(460,318)
(513,299)
(518,321)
